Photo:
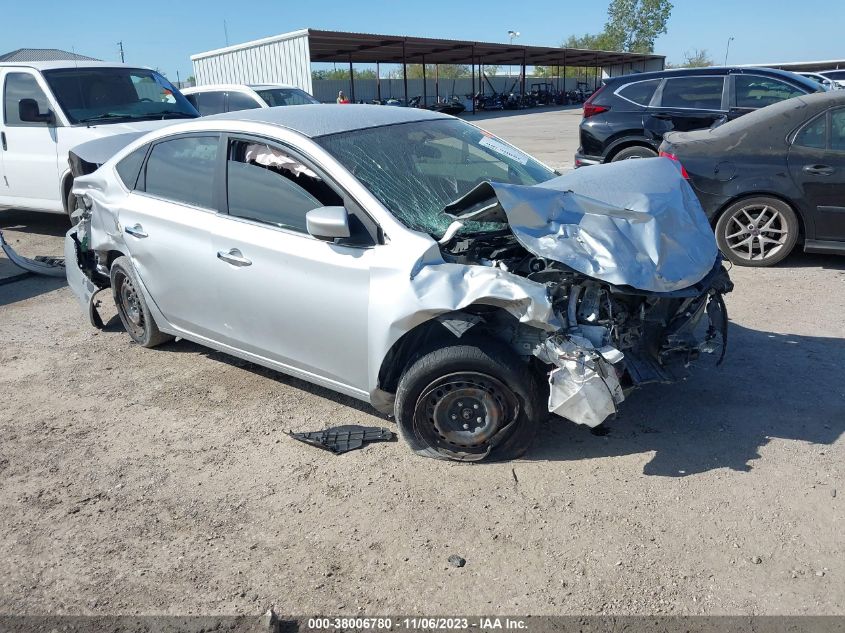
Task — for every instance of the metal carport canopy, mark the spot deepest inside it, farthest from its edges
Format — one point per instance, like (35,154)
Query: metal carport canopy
(340,46)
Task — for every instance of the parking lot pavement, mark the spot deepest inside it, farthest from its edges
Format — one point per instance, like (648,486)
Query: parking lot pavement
(161,481)
(548,134)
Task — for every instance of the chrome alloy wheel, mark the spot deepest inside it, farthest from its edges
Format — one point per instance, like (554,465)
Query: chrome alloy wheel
(756,232)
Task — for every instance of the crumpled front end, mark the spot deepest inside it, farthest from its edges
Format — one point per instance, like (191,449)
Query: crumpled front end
(631,271)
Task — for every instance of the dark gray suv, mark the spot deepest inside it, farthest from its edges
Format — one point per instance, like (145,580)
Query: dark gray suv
(628,115)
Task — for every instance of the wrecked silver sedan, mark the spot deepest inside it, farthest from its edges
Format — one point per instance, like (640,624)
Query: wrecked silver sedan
(408,259)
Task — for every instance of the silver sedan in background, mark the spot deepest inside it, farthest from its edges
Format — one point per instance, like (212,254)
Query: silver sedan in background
(405,258)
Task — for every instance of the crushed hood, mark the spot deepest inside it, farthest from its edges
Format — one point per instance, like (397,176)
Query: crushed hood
(634,223)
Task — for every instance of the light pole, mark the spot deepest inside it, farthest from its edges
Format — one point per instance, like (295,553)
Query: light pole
(512,35)
(728,49)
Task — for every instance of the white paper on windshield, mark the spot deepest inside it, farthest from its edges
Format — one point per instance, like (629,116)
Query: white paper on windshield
(500,148)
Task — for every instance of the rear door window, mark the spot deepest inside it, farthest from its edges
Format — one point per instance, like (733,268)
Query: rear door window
(211,102)
(640,92)
(693,93)
(837,130)
(240,101)
(129,167)
(182,170)
(754,91)
(813,134)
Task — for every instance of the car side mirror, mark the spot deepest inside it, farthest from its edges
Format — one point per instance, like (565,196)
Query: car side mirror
(327,223)
(28,112)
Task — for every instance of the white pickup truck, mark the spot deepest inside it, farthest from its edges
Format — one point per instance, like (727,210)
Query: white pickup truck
(47,108)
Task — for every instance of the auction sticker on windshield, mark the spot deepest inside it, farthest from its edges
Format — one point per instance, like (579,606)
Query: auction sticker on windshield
(497,146)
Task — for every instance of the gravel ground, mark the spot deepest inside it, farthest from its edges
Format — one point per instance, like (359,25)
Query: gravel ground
(161,481)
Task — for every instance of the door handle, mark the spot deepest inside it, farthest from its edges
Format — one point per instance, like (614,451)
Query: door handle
(234,257)
(819,170)
(136,231)
(3,139)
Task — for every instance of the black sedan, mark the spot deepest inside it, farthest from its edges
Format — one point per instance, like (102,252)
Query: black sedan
(771,179)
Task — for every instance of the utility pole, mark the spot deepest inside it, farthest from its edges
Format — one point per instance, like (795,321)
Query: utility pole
(120,46)
(512,35)
(728,49)
(226,32)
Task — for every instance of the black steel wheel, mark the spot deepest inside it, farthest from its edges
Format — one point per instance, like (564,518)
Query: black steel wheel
(131,307)
(469,402)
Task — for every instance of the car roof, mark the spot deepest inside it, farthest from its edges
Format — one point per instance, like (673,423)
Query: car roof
(66,64)
(315,120)
(235,87)
(706,70)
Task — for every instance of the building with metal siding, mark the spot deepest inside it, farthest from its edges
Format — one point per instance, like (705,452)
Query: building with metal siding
(279,59)
(287,59)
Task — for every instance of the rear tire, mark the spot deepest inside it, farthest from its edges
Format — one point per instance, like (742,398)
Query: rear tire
(470,401)
(131,307)
(638,151)
(759,231)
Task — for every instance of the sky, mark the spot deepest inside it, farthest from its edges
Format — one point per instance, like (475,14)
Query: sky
(164,34)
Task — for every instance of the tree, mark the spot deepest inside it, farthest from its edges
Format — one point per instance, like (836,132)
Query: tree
(343,74)
(446,71)
(697,58)
(632,25)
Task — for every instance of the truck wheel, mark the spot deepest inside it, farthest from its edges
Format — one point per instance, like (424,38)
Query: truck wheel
(637,151)
(470,401)
(131,307)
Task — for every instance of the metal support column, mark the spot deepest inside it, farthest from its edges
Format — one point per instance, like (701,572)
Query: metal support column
(378,82)
(351,81)
(437,82)
(472,64)
(425,85)
(405,72)
(523,71)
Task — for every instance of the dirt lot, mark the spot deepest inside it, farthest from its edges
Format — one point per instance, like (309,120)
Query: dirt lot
(161,481)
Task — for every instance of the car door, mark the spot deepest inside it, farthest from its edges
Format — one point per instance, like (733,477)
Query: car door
(286,296)
(749,92)
(30,155)
(684,104)
(165,222)
(817,165)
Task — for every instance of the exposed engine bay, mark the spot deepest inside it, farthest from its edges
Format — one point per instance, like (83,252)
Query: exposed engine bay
(637,283)
(614,337)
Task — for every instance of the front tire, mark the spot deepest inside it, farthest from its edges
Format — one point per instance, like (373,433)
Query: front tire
(131,307)
(759,231)
(471,401)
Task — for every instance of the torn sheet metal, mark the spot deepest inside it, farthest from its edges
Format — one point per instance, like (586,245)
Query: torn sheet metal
(49,266)
(341,439)
(632,223)
(585,387)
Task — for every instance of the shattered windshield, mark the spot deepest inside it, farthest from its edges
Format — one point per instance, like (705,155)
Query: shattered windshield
(416,169)
(112,95)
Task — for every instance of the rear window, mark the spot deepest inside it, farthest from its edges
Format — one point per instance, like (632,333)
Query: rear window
(754,91)
(640,92)
(182,170)
(695,93)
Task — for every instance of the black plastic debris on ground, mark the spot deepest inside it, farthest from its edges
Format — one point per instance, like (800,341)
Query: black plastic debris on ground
(341,439)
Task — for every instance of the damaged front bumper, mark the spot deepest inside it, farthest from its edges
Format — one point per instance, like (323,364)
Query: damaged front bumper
(78,260)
